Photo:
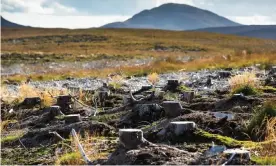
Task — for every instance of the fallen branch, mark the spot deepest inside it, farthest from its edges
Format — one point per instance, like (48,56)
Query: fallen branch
(76,139)
(22,143)
(134,100)
(57,135)
(81,102)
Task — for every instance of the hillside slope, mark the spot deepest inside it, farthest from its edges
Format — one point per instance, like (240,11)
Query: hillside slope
(173,17)
(258,31)
(9,24)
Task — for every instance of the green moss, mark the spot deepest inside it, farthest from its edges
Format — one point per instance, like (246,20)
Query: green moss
(11,138)
(60,117)
(70,159)
(247,90)
(264,160)
(183,88)
(171,96)
(29,156)
(227,141)
(107,117)
(268,89)
(115,85)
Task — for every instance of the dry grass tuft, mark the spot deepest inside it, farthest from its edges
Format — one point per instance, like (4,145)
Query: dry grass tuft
(26,90)
(271,129)
(116,81)
(246,83)
(95,147)
(153,78)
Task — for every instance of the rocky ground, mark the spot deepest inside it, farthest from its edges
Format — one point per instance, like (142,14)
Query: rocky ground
(36,135)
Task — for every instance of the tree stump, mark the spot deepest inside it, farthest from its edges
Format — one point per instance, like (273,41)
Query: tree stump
(239,153)
(172,85)
(181,127)
(54,111)
(236,155)
(64,102)
(188,96)
(73,118)
(31,102)
(224,74)
(172,108)
(131,138)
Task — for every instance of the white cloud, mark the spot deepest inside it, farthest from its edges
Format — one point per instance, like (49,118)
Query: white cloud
(36,6)
(53,21)
(254,20)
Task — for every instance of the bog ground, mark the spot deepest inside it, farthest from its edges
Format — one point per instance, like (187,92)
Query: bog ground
(136,97)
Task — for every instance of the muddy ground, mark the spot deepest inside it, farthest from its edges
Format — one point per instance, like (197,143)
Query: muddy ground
(27,138)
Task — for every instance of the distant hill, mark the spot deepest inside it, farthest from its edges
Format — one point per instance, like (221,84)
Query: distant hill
(173,16)
(8,24)
(258,31)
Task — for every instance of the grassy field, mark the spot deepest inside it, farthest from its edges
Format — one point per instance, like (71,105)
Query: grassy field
(205,50)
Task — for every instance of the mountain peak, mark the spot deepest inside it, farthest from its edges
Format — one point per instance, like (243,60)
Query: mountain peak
(173,16)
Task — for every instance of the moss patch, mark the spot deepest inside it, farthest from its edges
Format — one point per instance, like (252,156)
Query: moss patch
(73,158)
(227,141)
(268,89)
(247,90)
(30,156)
(264,160)
(12,137)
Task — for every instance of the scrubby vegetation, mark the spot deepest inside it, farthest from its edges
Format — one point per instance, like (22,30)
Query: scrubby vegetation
(246,83)
(262,124)
(103,110)
(167,50)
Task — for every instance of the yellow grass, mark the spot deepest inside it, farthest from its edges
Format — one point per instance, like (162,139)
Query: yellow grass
(116,81)
(94,146)
(207,50)
(26,90)
(271,129)
(153,78)
(245,79)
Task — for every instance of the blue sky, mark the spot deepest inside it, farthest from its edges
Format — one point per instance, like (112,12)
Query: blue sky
(94,13)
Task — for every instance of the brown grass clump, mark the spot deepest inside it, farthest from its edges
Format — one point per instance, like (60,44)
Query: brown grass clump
(6,95)
(246,83)
(271,129)
(247,78)
(26,90)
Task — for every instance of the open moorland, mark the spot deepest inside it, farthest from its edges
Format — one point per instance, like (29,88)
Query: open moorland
(46,54)
(134,97)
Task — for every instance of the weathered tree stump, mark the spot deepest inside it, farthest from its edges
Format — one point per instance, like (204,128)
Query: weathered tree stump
(31,102)
(239,154)
(172,108)
(131,138)
(73,118)
(172,85)
(224,74)
(54,111)
(188,96)
(160,94)
(64,102)
(181,127)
